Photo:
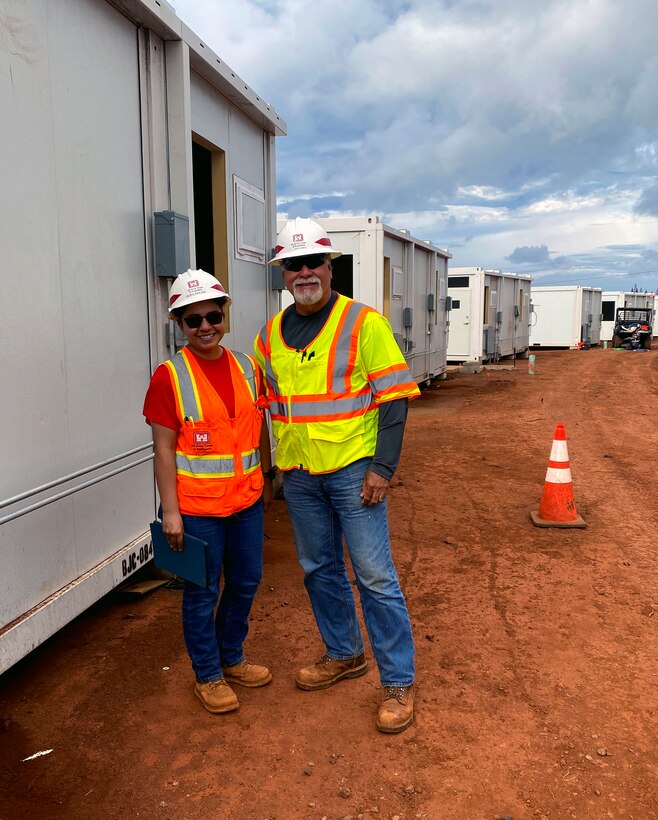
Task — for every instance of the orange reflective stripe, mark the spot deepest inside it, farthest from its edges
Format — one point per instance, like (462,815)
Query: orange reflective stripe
(354,346)
(386,370)
(331,361)
(399,388)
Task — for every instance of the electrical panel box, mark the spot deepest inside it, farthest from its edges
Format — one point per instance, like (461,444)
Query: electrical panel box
(172,243)
(517,312)
(430,303)
(276,275)
(448,304)
(408,318)
(499,317)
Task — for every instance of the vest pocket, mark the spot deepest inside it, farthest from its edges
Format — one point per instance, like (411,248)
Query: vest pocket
(332,446)
(202,487)
(201,438)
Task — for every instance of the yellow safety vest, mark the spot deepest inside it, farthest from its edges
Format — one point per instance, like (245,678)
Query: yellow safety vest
(324,399)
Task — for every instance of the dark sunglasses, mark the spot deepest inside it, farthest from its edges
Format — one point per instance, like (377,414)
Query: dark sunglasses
(312,261)
(194,320)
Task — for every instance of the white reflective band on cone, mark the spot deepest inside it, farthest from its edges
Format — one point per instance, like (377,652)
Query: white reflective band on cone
(558,475)
(559,450)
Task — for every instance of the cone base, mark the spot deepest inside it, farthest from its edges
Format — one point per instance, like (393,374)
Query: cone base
(578,522)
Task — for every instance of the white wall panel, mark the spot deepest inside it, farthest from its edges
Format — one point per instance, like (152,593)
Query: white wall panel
(75,326)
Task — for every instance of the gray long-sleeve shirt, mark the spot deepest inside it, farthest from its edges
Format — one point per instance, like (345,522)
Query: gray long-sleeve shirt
(298,331)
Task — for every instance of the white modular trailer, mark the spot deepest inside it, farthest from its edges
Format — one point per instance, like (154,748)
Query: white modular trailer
(611,300)
(489,314)
(114,111)
(402,277)
(565,316)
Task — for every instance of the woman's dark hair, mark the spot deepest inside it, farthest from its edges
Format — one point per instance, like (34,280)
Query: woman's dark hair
(177,313)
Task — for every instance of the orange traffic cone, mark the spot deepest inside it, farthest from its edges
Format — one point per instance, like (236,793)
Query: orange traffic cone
(557,507)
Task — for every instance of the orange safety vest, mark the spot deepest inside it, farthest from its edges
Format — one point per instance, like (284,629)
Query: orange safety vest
(217,458)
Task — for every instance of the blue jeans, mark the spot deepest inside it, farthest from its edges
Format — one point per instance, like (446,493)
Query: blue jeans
(235,545)
(322,509)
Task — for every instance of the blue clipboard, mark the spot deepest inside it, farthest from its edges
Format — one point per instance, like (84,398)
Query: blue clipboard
(189,563)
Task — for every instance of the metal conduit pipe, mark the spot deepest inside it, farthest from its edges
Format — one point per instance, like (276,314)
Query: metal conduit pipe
(44,502)
(70,477)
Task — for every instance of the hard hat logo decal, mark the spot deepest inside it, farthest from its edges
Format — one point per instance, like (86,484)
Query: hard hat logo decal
(298,237)
(193,283)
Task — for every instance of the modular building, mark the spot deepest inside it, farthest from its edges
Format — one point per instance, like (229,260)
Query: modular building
(400,276)
(565,316)
(129,151)
(611,300)
(489,315)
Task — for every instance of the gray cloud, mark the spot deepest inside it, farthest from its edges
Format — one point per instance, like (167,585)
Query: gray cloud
(538,253)
(648,201)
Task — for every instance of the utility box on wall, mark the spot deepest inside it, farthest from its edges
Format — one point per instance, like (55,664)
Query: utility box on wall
(172,243)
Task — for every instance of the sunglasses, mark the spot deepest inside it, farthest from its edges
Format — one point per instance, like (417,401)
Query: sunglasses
(312,261)
(194,320)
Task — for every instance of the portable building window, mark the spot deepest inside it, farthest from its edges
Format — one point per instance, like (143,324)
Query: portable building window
(458,282)
(398,283)
(249,203)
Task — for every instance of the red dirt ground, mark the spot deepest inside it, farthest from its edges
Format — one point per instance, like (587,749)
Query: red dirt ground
(536,648)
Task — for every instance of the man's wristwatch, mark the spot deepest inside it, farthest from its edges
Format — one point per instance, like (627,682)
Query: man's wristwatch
(271,473)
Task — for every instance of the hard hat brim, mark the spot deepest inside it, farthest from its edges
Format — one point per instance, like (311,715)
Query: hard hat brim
(284,254)
(201,297)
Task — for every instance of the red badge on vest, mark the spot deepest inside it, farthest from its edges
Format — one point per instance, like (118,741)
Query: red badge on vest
(202,440)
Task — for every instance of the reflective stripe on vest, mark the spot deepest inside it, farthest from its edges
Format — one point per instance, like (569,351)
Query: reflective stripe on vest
(185,388)
(248,367)
(309,409)
(390,380)
(215,466)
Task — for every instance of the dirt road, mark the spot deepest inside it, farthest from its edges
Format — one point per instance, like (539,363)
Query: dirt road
(536,649)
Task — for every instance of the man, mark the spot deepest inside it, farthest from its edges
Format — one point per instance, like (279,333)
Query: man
(337,386)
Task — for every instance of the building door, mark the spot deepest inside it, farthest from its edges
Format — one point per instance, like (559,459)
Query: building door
(460,323)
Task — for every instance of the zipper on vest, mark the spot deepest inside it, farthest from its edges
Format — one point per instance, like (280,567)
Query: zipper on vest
(238,469)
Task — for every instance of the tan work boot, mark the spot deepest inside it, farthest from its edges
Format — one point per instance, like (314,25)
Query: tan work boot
(327,671)
(216,696)
(247,674)
(396,712)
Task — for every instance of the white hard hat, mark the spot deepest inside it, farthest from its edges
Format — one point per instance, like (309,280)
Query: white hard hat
(195,286)
(301,237)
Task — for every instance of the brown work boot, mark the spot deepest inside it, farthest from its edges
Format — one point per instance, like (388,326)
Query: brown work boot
(216,696)
(396,712)
(247,674)
(327,671)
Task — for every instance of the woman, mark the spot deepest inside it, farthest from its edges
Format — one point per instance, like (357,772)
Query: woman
(213,470)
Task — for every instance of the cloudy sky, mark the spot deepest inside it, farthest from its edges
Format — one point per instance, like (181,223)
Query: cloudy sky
(519,135)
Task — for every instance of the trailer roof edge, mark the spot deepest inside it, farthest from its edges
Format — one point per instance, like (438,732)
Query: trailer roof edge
(160,17)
